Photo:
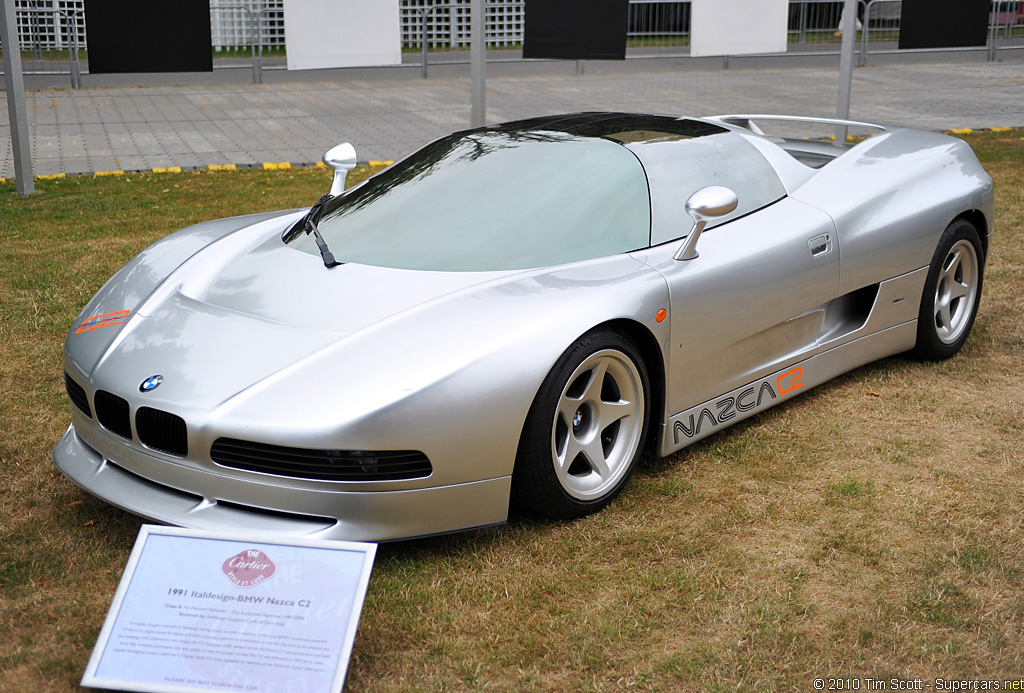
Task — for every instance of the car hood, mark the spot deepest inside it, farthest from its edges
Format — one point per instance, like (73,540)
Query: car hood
(278,283)
(240,310)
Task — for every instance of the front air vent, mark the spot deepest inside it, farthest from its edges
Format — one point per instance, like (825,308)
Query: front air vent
(325,465)
(159,488)
(77,394)
(161,430)
(112,412)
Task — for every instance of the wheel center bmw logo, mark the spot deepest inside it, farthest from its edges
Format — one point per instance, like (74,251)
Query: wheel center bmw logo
(577,419)
(151,383)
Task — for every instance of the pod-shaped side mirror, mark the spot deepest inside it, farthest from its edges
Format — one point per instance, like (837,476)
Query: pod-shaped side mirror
(704,205)
(341,159)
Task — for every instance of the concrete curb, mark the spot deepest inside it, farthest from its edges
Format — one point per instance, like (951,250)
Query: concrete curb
(285,165)
(969,131)
(266,166)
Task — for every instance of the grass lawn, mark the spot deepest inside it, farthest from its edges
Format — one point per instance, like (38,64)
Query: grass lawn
(873,527)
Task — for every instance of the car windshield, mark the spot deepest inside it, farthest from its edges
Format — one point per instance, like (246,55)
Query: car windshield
(493,200)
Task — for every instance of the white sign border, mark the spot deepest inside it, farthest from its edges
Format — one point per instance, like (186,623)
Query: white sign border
(89,678)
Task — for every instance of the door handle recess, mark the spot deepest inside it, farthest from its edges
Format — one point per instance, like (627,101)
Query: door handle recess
(819,245)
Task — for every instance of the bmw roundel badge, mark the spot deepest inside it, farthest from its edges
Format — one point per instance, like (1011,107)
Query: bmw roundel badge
(151,383)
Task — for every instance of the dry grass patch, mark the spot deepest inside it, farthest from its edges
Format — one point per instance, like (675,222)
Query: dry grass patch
(871,527)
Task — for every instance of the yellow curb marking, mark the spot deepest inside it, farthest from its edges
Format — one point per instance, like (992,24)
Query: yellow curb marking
(284,165)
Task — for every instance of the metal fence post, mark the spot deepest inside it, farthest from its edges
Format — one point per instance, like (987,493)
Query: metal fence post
(257,48)
(424,13)
(423,41)
(76,68)
(267,11)
(849,30)
(803,22)
(478,65)
(255,37)
(453,27)
(864,36)
(16,110)
(993,31)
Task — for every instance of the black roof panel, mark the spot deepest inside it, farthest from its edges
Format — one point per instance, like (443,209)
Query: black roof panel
(627,128)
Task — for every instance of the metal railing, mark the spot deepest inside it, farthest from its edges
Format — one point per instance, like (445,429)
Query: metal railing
(231,30)
(425,13)
(657,28)
(255,38)
(1006,27)
(41,43)
(38,46)
(437,31)
(881,28)
(881,31)
(443,32)
(814,26)
(661,28)
(450,31)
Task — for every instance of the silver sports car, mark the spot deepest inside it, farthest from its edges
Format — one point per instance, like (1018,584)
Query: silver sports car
(513,314)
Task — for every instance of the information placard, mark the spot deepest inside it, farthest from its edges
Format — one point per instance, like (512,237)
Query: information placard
(738,27)
(209,611)
(342,33)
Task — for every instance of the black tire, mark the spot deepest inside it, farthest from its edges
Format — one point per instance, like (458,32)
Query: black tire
(952,293)
(585,430)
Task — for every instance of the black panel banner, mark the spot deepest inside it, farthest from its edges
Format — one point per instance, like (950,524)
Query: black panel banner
(576,29)
(150,36)
(943,23)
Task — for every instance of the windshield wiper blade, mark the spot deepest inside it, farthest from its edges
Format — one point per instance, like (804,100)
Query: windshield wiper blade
(310,223)
(325,252)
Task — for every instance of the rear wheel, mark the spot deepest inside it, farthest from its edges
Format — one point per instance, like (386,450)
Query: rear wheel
(951,294)
(585,429)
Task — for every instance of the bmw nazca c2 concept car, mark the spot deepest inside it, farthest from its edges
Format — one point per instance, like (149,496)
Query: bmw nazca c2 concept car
(513,314)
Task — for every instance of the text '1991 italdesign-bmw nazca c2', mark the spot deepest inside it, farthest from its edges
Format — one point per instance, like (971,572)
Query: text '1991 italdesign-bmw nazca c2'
(513,314)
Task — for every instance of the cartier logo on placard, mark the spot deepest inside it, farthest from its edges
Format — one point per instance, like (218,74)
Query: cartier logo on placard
(249,567)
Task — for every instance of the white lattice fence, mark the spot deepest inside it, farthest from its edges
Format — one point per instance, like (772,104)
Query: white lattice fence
(448,23)
(48,24)
(231,25)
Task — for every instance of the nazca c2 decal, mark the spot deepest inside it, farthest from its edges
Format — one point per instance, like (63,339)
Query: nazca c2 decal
(751,398)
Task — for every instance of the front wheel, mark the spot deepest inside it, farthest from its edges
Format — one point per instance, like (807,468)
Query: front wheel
(585,429)
(952,292)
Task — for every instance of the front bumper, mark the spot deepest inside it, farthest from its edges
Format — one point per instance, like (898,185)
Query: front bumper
(201,499)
